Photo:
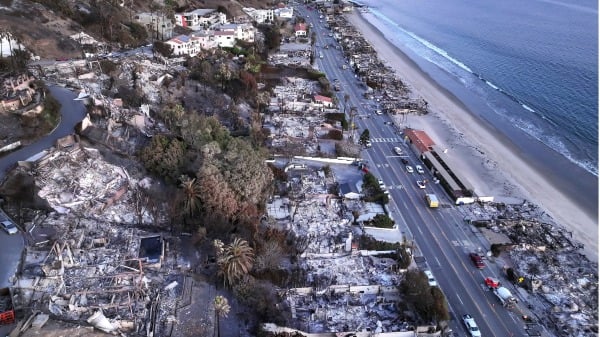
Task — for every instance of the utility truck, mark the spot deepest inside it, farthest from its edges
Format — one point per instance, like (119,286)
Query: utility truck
(503,294)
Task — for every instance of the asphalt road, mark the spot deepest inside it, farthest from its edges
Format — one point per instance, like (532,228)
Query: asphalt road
(72,112)
(442,236)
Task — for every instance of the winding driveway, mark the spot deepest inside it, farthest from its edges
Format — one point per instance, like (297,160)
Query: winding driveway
(72,112)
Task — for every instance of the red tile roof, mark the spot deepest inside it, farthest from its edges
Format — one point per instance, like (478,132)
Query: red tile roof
(420,139)
(320,98)
(300,26)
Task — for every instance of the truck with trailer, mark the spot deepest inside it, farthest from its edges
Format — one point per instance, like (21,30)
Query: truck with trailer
(432,200)
(503,294)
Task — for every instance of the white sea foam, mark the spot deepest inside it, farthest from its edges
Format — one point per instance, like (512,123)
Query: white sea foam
(526,107)
(446,61)
(492,85)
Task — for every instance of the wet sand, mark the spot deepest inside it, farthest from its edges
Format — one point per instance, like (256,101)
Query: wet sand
(485,156)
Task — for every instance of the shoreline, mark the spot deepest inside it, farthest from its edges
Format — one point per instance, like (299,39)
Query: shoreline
(478,149)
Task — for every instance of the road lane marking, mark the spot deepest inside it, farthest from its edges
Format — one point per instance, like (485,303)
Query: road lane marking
(460,299)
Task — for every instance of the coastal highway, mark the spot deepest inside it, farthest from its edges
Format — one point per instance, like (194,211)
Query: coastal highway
(442,236)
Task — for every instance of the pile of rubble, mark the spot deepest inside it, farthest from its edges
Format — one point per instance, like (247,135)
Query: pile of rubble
(562,282)
(350,290)
(88,262)
(295,118)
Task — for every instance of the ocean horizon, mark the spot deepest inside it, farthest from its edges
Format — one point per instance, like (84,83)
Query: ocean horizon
(533,63)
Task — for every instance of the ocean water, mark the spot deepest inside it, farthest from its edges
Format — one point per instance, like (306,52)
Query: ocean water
(533,62)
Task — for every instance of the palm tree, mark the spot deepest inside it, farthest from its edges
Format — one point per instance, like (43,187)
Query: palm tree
(191,195)
(221,310)
(236,260)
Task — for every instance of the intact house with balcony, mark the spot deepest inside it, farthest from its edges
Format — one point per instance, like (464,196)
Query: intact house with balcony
(183,45)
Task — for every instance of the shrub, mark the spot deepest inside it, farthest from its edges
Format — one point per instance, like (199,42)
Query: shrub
(382,221)
(335,134)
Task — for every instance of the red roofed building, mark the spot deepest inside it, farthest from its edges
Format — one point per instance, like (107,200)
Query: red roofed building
(300,30)
(419,140)
(324,101)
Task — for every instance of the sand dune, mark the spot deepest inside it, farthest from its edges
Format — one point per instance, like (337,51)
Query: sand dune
(494,167)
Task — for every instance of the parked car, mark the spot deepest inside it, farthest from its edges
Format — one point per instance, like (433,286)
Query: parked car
(420,184)
(419,169)
(409,169)
(430,279)
(477,260)
(398,150)
(471,325)
(9,227)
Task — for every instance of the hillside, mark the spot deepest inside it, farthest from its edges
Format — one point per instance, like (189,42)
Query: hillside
(44,26)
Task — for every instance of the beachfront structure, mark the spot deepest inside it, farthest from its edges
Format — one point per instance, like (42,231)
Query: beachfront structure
(158,25)
(434,158)
(260,15)
(200,19)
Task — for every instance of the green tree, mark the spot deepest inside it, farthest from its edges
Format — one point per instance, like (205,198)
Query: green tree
(364,137)
(429,302)
(222,309)
(382,221)
(163,48)
(164,157)
(191,194)
(440,306)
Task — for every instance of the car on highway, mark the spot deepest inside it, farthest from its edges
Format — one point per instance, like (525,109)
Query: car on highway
(9,227)
(409,169)
(398,150)
(430,279)
(477,260)
(421,184)
(419,169)
(404,161)
(472,327)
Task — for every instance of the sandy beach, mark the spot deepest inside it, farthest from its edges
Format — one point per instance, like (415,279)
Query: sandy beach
(491,164)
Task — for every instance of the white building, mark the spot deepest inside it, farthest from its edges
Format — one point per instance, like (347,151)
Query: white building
(284,13)
(200,19)
(205,40)
(183,45)
(159,26)
(260,15)
(225,39)
(242,32)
